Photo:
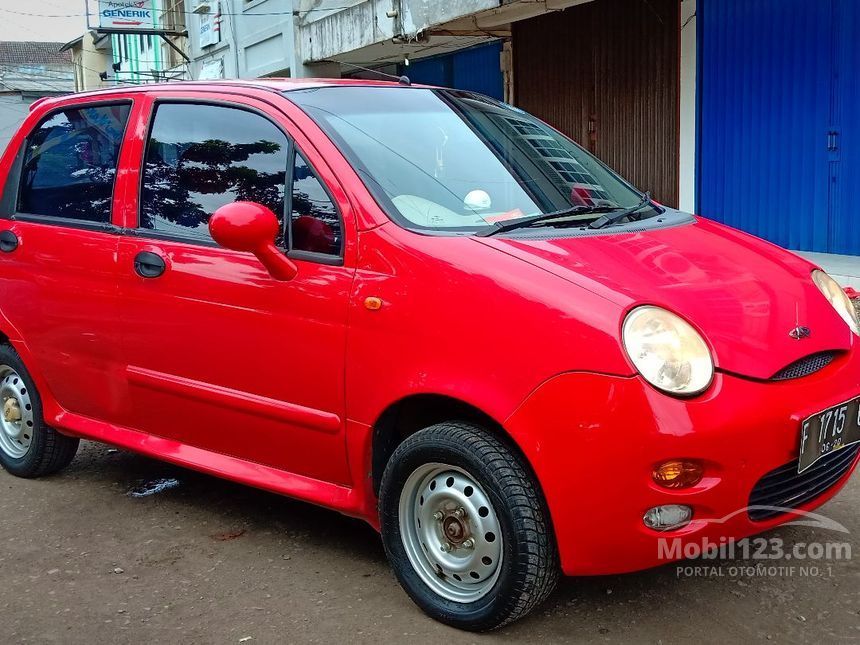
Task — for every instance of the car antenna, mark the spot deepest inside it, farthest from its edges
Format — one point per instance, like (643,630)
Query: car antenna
(403,80)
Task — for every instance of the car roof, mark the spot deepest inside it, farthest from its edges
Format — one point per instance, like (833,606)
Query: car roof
(270,84)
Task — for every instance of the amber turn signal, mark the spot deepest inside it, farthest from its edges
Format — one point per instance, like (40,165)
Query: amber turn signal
(678,473)
(373,303)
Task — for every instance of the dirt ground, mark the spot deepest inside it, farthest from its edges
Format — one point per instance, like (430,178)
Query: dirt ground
(213,562)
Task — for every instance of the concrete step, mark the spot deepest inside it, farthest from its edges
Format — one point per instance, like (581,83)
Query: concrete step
(845,269)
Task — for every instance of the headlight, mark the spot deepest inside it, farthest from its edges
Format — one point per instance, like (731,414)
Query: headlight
(667,351)
(837,297)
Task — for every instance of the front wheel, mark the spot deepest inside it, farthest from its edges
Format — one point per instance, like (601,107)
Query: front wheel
(466,528)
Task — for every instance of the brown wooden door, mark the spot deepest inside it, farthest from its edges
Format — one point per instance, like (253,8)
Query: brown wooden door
(607,74)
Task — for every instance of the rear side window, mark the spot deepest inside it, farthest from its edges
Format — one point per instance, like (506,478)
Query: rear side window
(70,163)
(201,157)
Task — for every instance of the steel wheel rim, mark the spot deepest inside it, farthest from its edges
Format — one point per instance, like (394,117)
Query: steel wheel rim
(451,532)
(17,421)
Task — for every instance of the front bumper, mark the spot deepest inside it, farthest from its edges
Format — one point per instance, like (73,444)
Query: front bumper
(593,440)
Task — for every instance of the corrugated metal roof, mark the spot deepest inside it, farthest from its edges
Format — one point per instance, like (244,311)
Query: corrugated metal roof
(30,66)
(28,52)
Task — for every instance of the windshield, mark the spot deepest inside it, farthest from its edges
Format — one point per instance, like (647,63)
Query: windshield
(450,160)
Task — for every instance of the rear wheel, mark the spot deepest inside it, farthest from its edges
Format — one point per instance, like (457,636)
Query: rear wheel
(466,528)
(28,447)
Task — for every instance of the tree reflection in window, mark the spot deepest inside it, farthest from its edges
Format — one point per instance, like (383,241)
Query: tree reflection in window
(70,163)
(201,157)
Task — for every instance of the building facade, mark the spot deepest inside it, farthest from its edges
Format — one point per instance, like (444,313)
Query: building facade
(154,53)
(710,105)
(29,71)
(245,39)
(778,133)
(92,57)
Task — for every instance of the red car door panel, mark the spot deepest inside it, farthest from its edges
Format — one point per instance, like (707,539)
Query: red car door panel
(217,353)
(221,356)
(63,284)
(59,281)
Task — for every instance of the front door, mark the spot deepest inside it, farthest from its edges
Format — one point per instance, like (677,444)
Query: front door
(219,354)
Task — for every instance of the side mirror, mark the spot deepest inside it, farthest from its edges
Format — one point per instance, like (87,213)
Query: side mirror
(251,227)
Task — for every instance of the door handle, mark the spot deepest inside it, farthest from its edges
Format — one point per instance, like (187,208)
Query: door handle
(148,264)
(8,241)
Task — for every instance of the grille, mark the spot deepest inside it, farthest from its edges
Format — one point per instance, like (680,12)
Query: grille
(785,487)
(804,367)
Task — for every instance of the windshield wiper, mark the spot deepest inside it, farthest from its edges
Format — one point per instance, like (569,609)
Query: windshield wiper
(525,222)
(618,215)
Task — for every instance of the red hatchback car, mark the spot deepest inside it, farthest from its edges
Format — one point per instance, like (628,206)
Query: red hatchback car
(420,307)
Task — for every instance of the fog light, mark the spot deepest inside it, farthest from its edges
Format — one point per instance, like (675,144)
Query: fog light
(677,473)
(668,517)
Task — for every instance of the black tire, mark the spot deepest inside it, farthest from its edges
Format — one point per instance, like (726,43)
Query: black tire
(529,566)
(49,451)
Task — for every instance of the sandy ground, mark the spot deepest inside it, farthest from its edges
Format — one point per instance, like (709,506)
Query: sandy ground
(212,562)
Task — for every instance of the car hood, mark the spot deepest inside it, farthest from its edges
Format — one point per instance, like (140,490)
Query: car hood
(743,294)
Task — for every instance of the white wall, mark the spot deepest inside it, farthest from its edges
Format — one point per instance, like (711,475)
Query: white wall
(687,161)
(13,111)
(265,42)
(327,28)
(89,61)
(258,38)
(223,50)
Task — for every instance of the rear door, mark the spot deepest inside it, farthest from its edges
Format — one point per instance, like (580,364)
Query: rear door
(58,271)
(220,355)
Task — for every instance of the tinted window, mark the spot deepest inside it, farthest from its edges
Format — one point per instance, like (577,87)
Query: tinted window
(315,221)
(200,157)
(70,163)
(458,161)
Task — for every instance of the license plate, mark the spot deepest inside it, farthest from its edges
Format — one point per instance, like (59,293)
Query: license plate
(828,431)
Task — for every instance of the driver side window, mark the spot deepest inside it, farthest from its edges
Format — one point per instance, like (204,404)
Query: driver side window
(201,157)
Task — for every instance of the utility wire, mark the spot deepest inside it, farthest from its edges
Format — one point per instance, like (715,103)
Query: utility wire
(14,108)
(296,12)
(116,80)
(33,31)
(39,79)
(54,75)
(39,82)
